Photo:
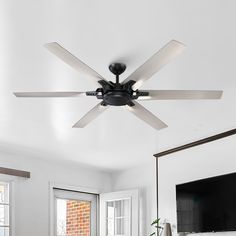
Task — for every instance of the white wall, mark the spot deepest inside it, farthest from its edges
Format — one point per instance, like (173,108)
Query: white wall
(209,160)
(143,178)
(32,195)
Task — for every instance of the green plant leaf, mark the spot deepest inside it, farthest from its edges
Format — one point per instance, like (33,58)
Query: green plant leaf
(156,222)
(158,227)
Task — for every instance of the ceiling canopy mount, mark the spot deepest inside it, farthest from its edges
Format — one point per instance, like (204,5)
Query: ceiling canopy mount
(117,68)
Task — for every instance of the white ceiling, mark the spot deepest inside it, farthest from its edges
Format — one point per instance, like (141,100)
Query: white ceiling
(101,32)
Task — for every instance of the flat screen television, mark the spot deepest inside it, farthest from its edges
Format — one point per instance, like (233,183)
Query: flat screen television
(207,205)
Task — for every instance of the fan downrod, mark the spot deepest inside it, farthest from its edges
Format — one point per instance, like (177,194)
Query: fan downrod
(117,68)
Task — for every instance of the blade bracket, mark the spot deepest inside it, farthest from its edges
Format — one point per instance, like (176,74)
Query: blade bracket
(91,93)
(106,85)
(142,93)
(136,94)
(131,104)
(104,104)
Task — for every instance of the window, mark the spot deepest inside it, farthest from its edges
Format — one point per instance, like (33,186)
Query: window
(119,213)
(118,217)
(4,209)
(75,213)
(73,217)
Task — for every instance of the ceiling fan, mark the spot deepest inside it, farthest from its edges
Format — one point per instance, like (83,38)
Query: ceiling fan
(125,93)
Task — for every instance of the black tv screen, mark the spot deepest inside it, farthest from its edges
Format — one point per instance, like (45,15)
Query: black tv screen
(207,205)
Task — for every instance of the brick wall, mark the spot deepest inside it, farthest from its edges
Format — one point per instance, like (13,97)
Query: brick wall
(78,218)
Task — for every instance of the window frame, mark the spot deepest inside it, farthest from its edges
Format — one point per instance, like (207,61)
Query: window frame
(55,185)
(11,183)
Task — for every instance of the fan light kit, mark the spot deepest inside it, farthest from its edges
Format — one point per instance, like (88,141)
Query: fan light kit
(125,93)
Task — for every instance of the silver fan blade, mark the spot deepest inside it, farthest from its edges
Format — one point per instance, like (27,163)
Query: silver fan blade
(145,115)
(49,94)
(181,94)
(90,116)
(73,61)
(155,63)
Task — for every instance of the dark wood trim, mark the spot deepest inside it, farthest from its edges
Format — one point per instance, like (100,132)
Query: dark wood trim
(196,143)
(157,190)
(18,173)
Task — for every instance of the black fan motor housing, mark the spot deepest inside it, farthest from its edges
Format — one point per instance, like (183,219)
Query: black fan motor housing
(117,98)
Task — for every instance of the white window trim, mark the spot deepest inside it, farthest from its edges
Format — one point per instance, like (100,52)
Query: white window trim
(133,195)
(53,185)
(11,182)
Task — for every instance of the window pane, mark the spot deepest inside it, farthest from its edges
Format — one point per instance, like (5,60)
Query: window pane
(4,215)
(110,210)
(4,192)
(122,208)
(122,226)
(110,227)
(61,217)
(4,231)
(118,217)
(73,217)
